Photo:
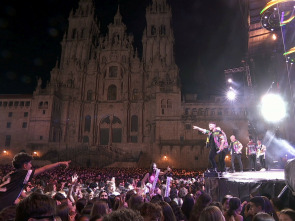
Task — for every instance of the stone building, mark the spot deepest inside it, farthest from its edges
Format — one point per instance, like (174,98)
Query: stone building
(105,104)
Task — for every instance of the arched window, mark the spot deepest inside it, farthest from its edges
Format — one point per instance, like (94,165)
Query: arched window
(87,123)
(135,94)
(112,93)
(134,123)
(113,71)
(163,103)
(163,30)
(41,104)
(194,111)
(124,59)
(89,95)
(82,33)
(186,111)
(110,127)
(169,104)
(85,139)
(153,30)
(46,104)
(74,33)
(200,112)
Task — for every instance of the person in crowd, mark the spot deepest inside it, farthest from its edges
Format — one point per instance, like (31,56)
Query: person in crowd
(202,202)
(187,205)
(232,214)
(103,195)
(261,216)
(99,208)
(152,178)
(268,208)
(287,215)
(135,202)
(124,214)
(261,150)
(225,203)
(65,213)
(50,189)
(211,213)
(181,194)
(177,211)
(251,152)
(216,203)
(152,211)
(167,211)
(216,141)
(36,207)
(256,205)
(235,149)
(80,205)
(8,214)
(278,204)
(14,182)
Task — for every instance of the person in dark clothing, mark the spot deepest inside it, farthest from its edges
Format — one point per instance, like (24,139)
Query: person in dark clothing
(216,141)
(14,182)
(251,151)
(235,149)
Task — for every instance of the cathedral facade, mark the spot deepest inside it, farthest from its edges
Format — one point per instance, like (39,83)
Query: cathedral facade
(104,103)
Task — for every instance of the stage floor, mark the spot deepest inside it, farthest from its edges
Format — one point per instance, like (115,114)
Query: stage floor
(255,176)
(246,184)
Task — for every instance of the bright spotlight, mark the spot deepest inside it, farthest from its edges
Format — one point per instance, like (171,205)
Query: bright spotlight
(274,37)
(229,80)
(231,95)
(273,108)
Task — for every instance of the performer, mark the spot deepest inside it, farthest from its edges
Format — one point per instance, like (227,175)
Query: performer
(251,151)
(14,182)
(217,142)
(151,178)
(261,149)
(235,149)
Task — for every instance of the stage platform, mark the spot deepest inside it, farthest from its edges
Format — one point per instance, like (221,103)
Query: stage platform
(244,184)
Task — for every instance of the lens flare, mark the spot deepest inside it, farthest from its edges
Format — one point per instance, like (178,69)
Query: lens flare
(273,108)
(231,95)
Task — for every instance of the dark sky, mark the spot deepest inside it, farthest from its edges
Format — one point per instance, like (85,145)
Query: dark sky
(209,37)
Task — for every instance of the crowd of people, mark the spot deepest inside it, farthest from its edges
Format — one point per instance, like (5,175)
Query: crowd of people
(60,192)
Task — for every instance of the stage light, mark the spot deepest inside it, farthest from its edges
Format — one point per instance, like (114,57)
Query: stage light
(274,37)
(165,157)
(273,108)
(229,80)
(231,95)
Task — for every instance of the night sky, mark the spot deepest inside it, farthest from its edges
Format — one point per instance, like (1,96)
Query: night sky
(210,36)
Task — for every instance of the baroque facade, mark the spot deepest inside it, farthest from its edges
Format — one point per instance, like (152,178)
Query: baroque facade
(104,103)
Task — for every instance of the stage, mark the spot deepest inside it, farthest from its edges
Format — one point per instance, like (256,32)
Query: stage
(244,184)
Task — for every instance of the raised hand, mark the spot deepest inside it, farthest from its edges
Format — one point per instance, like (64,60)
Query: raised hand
(66,163)
(74,178)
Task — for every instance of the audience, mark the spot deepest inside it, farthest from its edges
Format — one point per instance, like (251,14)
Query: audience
(232,214)
(95,194)
(211,213)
